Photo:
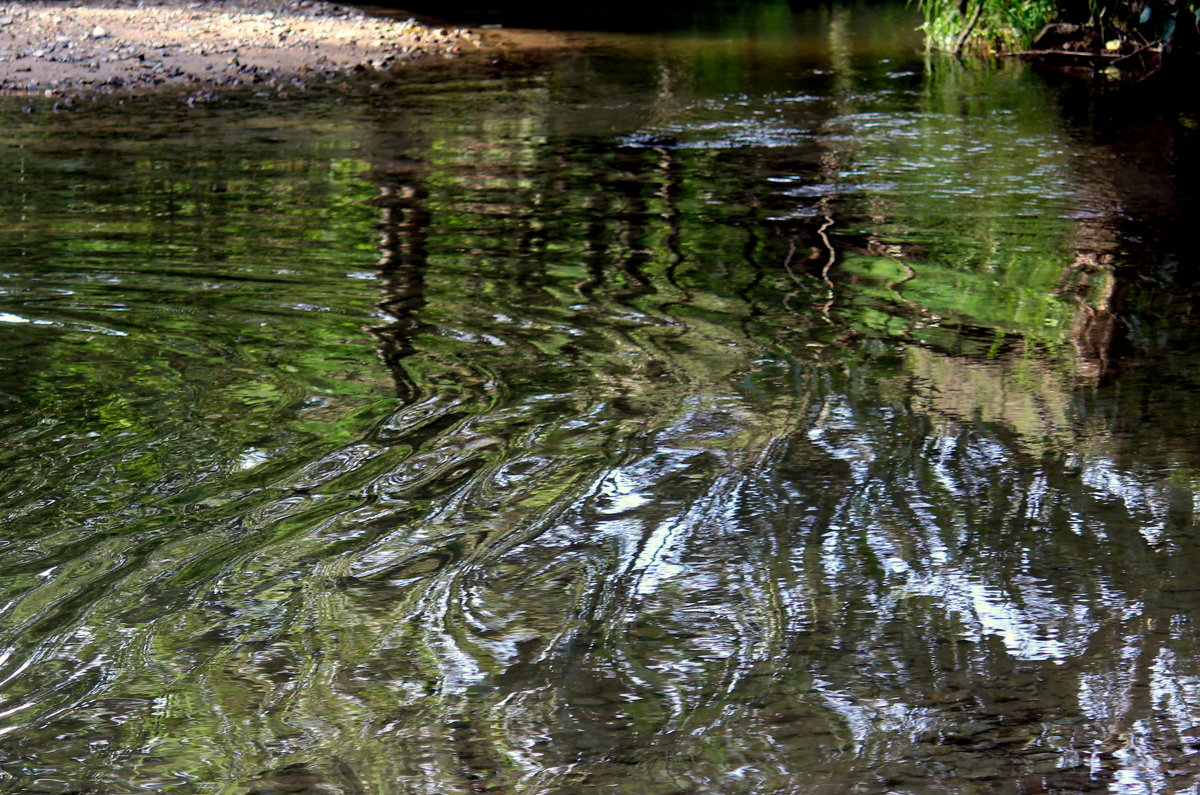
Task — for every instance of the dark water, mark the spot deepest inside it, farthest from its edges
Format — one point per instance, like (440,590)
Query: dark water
(765,412)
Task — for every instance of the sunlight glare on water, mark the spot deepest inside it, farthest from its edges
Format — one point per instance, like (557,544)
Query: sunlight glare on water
(765,408)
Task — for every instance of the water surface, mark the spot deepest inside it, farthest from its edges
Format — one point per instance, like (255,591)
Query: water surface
(760,409)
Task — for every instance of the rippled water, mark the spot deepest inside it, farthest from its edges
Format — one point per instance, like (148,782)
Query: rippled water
(759,410)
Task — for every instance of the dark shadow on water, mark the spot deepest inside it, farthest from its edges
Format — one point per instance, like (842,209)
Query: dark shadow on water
(679,417)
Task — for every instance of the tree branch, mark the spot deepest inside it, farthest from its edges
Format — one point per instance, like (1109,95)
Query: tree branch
(966,31)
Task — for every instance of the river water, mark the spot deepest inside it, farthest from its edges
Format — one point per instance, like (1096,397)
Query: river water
(765,408)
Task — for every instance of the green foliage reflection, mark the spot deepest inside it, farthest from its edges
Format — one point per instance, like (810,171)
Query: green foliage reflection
(717,420)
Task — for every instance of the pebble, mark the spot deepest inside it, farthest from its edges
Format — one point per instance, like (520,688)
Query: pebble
(133,43)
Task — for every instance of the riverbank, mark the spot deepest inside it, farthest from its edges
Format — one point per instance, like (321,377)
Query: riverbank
(91,47)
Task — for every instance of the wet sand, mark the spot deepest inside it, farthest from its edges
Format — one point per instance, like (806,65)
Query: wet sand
(82,47)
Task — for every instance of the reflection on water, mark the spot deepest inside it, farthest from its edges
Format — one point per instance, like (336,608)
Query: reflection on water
(779,414)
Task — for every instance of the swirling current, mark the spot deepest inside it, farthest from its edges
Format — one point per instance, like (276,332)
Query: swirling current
(767,412)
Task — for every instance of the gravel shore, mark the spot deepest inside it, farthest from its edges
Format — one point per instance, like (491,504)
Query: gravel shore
(81,47)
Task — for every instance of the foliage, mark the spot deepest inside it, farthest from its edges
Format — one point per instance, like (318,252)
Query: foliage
(1112,27)
(955,25)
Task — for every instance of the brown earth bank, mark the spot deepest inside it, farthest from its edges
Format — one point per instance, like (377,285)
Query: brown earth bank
(75,48)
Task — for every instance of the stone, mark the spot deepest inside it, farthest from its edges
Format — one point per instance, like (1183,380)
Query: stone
(205,36)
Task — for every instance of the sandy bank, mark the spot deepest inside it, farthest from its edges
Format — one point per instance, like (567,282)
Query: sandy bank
(83,47)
